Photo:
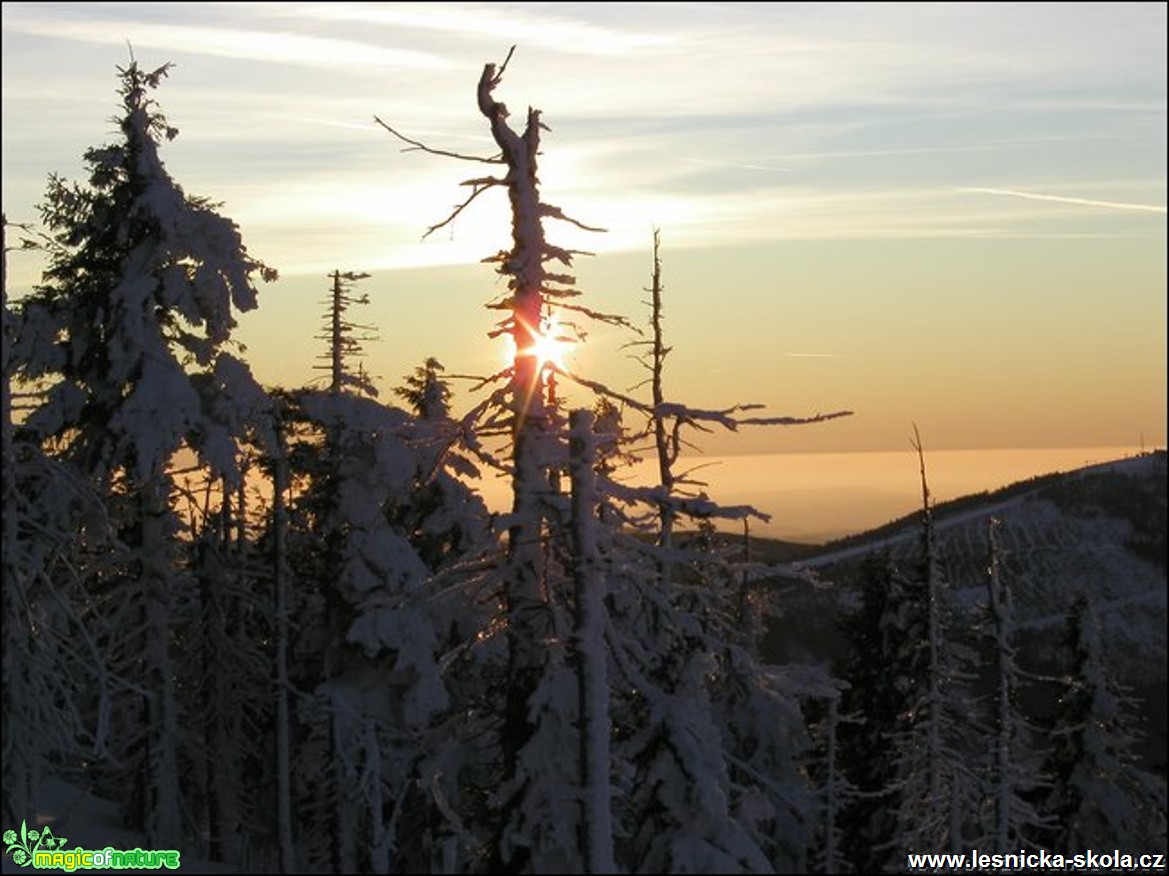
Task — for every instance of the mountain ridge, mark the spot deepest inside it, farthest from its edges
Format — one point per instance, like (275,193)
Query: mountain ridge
(1097,532)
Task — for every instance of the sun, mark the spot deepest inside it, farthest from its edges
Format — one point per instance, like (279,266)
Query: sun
(551,345)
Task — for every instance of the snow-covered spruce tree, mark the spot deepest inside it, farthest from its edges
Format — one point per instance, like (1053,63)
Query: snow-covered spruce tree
(706,739)
(426,391)
(879,656)
(442,518)
(907,685)
(375,512)
(365,649)
(136,311)
(1099,795)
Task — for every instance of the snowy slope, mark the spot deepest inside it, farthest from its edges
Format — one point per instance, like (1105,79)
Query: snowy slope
(1097,531)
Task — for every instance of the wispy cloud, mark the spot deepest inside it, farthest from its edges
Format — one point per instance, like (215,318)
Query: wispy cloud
(1064,199)
(518,24)
(735,164)
(255,45)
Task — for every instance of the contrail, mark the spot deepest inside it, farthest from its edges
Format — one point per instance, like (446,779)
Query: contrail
(735,164)
(1087,202)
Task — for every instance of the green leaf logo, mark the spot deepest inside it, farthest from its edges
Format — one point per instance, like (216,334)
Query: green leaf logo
(23,847)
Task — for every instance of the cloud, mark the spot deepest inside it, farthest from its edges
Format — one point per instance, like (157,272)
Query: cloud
(1063,199)
(516,25)
(735,164)
(267,46)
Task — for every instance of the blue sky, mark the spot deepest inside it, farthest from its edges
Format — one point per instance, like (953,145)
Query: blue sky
(952,214)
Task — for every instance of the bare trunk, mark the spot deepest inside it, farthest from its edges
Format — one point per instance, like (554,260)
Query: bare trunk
(597,819)
(164,803)
(280,574)
(528,618)
(1000,606)
(934,631)
(220,713)
(335,332)
(667,451)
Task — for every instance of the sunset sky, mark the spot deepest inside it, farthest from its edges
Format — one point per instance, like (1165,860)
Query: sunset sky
(951,214)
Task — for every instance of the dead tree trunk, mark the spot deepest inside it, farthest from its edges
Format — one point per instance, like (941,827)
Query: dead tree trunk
(596,814)
(933,598)
(528,620)
(280,574)
(665,444)
(1000,610)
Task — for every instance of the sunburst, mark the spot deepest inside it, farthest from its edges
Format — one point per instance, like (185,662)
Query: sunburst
(550,346)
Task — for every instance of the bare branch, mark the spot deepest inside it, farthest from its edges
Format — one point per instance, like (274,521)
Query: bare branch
(601,389)
(422,147)
(479,189)
(503,66)
(556,213)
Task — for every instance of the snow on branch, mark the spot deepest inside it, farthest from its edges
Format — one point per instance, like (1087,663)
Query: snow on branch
(726,418)
(609,318)
(701,506)
(695,417)
(793,421)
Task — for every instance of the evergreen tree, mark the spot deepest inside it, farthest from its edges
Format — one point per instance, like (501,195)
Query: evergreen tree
(919,792)
(881,660)
(134,315)
(345,337)
(443,519)
(426,392)
(1100,797)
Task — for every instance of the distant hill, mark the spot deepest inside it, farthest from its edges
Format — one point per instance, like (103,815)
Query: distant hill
(1099,531)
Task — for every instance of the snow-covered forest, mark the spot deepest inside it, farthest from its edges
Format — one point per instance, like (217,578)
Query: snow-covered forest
(280,628)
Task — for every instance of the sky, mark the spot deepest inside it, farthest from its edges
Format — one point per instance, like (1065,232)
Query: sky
(944,215)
